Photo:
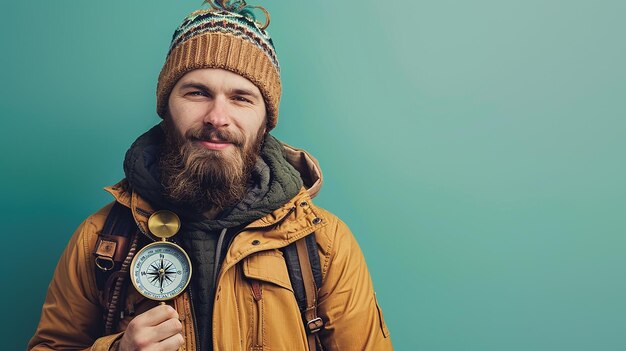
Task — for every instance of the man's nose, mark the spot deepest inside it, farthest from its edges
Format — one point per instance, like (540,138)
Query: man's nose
(217,113)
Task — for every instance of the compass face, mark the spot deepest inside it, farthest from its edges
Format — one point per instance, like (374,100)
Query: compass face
(161,271)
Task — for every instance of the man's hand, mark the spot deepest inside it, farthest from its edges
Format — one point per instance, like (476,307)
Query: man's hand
(157,329)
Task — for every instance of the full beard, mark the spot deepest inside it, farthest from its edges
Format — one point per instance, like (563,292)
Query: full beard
(202,179)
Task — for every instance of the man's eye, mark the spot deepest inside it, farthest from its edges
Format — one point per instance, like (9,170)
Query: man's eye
(197,93)
(242,99)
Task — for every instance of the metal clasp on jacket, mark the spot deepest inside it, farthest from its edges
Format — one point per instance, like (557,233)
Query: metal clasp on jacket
(105,263)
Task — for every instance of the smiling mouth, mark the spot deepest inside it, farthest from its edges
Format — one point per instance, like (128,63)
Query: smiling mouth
(215,144)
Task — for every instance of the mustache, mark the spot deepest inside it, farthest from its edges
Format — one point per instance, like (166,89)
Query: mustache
(209,133)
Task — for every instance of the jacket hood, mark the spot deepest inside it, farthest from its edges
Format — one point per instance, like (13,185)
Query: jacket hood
(307,166)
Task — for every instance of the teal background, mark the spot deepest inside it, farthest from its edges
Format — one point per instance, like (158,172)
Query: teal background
(476,149)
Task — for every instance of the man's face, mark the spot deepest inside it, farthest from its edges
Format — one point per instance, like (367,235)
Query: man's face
(214,130)
(218,100)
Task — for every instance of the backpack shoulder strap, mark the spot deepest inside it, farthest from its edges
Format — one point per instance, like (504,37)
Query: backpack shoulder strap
(115,248)
(305,273)
(112,244)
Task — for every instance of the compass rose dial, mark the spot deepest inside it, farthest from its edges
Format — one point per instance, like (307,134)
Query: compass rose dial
(161,270)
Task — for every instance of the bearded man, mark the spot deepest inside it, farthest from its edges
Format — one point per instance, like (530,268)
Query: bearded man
(242,197)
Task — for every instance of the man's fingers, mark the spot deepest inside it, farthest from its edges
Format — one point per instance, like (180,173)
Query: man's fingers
(166,329)
(173,343)
(155,329)
(155,316)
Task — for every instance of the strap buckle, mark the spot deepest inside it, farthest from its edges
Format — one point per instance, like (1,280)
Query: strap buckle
(105,263)
(315,325)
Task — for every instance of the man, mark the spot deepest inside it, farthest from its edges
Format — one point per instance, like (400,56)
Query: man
(242,197)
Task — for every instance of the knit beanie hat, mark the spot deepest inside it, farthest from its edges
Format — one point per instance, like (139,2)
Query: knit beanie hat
(226,36)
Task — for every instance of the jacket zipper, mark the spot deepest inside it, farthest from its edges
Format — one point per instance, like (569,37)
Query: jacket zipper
(195,323)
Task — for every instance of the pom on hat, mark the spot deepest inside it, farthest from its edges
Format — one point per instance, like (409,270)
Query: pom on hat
(240,7)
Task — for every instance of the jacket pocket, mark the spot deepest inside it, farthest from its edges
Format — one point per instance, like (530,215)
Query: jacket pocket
(271,302)
(267,266)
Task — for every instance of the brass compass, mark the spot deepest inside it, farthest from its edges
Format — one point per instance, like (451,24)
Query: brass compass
(161,270)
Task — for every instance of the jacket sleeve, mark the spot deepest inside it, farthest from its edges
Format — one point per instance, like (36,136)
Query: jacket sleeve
(347,302)
(71,317)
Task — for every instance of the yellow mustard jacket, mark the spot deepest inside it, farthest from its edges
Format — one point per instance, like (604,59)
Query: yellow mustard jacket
(71,317)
